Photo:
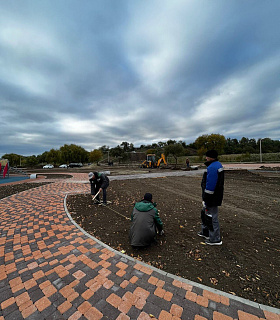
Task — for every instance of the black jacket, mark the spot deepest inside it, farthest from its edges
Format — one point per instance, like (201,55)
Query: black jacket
(100,181)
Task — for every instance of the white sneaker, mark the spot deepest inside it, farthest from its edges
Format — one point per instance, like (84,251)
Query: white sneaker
(218,243)
(202,235)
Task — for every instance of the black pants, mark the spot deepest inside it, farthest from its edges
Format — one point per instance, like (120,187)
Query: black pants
(94,188)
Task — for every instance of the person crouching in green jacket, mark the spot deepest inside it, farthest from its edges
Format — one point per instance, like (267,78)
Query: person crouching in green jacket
(145,222)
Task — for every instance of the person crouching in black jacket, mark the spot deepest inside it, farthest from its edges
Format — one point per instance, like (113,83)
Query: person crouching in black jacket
(98,182)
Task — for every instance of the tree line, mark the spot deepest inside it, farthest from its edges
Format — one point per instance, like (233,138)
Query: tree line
(122,152)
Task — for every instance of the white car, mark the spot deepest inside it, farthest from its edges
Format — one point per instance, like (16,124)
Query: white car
(48,166)
(63,166)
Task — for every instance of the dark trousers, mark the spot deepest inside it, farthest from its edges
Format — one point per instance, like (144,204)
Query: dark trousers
(94,188)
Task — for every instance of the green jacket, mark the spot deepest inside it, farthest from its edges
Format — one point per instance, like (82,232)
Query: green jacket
(145,221)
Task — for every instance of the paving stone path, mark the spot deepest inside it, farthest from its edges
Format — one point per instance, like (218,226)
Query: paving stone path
(51,269)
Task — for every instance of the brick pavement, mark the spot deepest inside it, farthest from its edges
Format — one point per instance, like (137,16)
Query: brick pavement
(51,269)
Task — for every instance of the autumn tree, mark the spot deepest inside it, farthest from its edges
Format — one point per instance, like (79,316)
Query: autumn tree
(73,153)
(269,145)
(14,159)
(176,150)
(104,149)
(232,146)
(209,142)
(42,158)
(95,156)
(151,151)
(116,152)
(126,146)
(53,156)
(31,161)
(162,144)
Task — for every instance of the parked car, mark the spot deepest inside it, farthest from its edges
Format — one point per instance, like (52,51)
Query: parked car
(63,166)
(75,165)
(48,166)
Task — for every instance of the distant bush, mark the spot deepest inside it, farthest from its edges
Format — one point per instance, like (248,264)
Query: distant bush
(246,157)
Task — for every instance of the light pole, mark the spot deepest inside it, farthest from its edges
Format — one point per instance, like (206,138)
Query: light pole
(261,150)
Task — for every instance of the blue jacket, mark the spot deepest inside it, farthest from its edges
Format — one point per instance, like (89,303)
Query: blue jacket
(213,184)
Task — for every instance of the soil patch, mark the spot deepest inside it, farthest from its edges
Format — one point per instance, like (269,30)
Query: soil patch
(247,264)
(55,176)
(8,190)
(270,168)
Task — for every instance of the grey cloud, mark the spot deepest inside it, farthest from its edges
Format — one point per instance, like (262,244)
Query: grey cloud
(141,70)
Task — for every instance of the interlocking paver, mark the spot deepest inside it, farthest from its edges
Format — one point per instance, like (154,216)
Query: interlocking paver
(271,316)
(203,301)
(160,292)
(191,296)
(49,269)
(28,311)
(176,310)
(42,303)
(5,304)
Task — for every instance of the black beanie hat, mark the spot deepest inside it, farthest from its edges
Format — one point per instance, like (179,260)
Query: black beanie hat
(212,154)
(148,197)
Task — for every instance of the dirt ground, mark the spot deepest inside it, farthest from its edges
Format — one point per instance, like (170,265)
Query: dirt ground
(8,190)
(247,264)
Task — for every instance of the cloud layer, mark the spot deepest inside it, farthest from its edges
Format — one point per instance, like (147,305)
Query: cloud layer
(139,71)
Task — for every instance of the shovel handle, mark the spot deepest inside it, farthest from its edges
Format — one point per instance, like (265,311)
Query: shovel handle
(95,195)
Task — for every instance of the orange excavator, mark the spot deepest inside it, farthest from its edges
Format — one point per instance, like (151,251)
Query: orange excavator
(151,161)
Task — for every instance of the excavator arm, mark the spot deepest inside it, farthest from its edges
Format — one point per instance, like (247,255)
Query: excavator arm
(161,159)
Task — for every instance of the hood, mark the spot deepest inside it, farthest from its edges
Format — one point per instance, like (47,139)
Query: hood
(144,206)
(96,174)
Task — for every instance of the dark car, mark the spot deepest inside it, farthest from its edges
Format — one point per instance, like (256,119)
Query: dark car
(75,165)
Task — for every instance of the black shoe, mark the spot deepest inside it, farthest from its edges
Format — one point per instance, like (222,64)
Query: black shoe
(202,235)
(217,243)
(104,204)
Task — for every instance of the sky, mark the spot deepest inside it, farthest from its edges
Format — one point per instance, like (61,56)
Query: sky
(100,72)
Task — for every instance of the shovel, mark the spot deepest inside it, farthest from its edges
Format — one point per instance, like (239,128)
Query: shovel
(95,195)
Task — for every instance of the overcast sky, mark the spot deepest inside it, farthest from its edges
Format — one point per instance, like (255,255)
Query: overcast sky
(99,72)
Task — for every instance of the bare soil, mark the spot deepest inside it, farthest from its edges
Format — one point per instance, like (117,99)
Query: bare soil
(247,264)
(10,189)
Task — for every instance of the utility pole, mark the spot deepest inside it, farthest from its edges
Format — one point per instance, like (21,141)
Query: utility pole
(261,150)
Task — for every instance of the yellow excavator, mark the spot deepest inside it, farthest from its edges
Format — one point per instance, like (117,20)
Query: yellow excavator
(151,161)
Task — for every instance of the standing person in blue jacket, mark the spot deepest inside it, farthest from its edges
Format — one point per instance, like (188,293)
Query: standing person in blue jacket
(212,195)
(145,222)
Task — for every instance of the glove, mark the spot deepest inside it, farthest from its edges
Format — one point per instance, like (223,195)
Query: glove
(161,233)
